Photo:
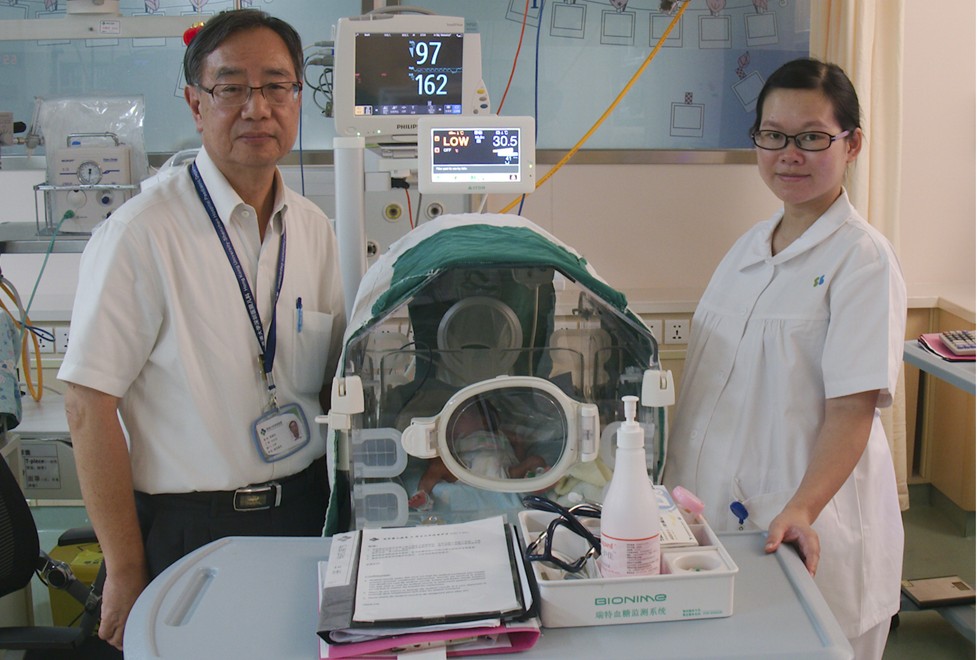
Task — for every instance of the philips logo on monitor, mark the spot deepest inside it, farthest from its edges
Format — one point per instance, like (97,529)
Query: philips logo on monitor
(406,127)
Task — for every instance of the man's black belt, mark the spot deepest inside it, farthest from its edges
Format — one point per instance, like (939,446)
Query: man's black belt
(257,498)
(254,497)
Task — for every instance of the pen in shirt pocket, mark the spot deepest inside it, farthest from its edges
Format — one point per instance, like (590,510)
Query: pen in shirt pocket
(299,315)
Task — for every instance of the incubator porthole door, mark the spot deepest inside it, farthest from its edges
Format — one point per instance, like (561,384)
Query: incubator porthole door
(508,434)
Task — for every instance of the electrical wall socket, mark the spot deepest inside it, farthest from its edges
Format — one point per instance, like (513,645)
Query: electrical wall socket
(44,345)
(61,339)
(656,329)
(6,128)
(676,331)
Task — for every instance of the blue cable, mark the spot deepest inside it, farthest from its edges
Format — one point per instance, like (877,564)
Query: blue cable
(302,172)
(537,62)
(42,333)
(23,322)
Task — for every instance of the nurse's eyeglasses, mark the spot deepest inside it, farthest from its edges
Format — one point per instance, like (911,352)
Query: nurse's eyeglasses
(540,549)
(809,141)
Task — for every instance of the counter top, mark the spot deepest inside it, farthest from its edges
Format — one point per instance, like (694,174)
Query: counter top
(22,238)
(960,374)
(44,418)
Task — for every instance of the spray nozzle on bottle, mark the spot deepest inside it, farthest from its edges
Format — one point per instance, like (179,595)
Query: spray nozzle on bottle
(629,408)
(630,433)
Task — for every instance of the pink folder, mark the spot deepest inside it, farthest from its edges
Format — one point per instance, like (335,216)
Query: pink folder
(510,638)
(932,343)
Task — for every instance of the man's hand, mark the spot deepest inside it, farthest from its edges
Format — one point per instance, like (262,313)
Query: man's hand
(106,480)
(119,594)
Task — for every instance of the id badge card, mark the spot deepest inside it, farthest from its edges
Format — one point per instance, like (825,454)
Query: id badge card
(280,432)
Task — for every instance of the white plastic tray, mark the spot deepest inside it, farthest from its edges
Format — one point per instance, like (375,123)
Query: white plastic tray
(696,582)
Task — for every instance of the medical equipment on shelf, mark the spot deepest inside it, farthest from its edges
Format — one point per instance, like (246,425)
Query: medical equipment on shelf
(95,158)
(88,182)
(459,389)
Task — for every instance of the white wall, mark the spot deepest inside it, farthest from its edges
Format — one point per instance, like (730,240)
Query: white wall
(655,232)
(937,246)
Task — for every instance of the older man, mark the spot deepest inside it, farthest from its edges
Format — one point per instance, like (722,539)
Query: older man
(206,330)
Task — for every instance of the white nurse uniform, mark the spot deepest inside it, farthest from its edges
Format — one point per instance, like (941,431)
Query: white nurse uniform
(773,338)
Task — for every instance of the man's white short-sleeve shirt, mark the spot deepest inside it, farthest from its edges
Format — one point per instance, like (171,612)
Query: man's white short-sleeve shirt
(159,321)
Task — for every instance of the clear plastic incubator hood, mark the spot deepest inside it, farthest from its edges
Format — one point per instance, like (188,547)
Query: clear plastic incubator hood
(484,360)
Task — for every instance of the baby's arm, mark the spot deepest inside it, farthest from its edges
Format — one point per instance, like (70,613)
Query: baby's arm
(435,472)
(529,467)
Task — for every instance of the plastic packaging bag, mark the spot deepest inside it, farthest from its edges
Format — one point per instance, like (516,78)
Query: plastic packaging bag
(68,122)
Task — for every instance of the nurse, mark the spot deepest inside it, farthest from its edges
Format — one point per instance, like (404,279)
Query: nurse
(796,344)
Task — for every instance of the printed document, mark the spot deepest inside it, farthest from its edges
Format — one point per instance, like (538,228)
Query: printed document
(435,571)
(382,583)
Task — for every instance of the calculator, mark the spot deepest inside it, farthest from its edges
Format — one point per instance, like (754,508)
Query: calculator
(960,342)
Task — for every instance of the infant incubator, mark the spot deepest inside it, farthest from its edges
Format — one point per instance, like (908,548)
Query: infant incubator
(484,360)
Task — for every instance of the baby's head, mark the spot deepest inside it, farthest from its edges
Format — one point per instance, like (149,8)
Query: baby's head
(476,416)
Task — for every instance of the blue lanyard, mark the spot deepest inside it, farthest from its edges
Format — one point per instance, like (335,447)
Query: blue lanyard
(267,345)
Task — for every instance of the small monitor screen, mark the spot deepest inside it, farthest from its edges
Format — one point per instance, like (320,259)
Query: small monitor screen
(476,154)
(408,74)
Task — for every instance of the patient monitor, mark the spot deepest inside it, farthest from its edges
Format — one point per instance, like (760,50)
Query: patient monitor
(392,69)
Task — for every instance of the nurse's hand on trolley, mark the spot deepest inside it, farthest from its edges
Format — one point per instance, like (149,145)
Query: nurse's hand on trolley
(792,527)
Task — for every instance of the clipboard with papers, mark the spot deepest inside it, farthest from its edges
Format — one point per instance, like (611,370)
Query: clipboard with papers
(464,586)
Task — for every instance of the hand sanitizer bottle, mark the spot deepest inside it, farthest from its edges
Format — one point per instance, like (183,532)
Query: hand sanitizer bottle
(630,512)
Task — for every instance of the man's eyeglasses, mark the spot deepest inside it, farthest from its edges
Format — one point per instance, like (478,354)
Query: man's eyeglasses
(809,141)
(541,548)
(234,94)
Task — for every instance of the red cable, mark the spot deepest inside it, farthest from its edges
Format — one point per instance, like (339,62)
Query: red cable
(408,199)
(520,40)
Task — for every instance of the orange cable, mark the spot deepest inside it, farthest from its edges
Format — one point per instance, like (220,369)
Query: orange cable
(612,106)
(36,394)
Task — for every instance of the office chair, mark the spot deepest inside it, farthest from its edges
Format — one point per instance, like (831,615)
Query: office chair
(20,557)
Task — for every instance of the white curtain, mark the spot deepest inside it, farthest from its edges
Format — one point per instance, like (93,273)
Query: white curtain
(864,37)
